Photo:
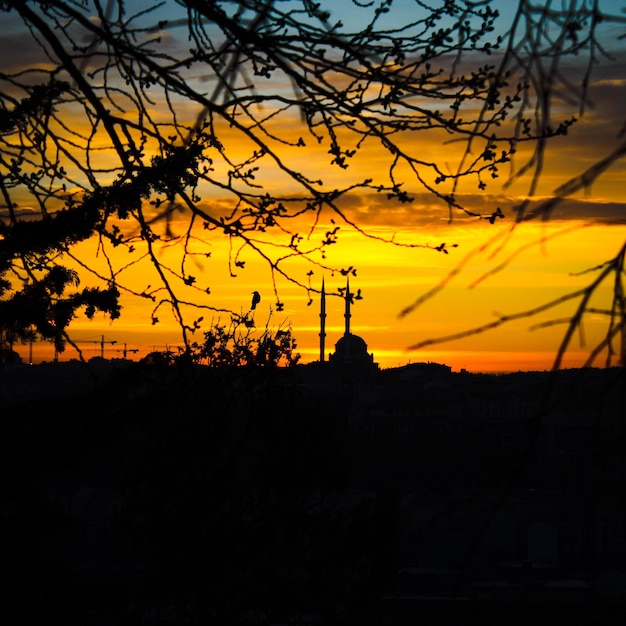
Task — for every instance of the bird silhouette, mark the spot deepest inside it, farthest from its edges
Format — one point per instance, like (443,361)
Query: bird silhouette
(256,298)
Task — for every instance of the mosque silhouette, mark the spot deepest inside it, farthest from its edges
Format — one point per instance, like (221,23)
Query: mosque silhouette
(350,350)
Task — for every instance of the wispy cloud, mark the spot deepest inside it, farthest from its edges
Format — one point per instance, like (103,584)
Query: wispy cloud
(375,209)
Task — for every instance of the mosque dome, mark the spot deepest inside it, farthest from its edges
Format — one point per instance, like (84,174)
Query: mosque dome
(351,350)
(351,344)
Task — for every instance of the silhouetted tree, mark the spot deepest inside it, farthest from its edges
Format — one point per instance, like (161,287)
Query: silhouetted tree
(133,122)
(239,345)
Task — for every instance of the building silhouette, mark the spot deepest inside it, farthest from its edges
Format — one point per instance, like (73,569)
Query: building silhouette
(350,350)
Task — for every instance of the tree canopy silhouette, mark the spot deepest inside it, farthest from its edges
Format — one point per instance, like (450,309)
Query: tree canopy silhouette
(144,126)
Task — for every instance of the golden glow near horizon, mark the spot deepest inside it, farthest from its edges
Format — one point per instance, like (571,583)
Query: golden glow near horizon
(391,278)
(553,258)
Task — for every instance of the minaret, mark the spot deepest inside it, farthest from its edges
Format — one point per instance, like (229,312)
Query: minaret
(347,313)
(347,316)
(322,321)
(623,346)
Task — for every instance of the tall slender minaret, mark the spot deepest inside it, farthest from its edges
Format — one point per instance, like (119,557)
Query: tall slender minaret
(347,316)
(322,321)
(623,345)
(347,313)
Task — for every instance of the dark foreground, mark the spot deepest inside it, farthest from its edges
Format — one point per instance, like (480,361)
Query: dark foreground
(148,495)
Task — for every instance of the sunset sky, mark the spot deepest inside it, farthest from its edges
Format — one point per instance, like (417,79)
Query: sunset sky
(536,262)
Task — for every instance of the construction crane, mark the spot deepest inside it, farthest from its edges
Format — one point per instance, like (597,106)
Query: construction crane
(101,342)
(125,350)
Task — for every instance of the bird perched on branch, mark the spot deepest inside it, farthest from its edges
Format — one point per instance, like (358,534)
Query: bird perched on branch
(256,298)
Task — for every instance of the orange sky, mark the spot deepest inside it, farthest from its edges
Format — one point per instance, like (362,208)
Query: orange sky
(391,278)
(578,237)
